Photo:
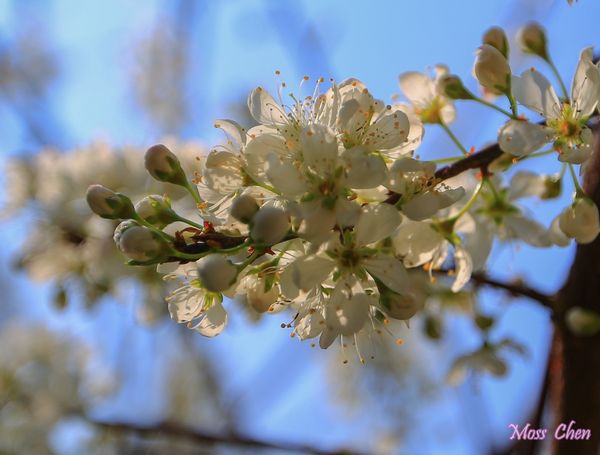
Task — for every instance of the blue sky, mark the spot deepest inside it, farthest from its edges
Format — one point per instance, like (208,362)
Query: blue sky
(239,45)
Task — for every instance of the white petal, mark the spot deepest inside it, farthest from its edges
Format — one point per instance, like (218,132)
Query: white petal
(346,212)
(388,131)
(286,282)
(213,322)
(417,87)
(285,177)
(222,172)
(525,184)
(310,271)
(530,231)
(376,222)
(319,149)
(265,109)
(389,271)
(585,89)
(347,313)
(428,204)
(327,337)
(236,135)
(417,243)
(522,138)
(463,268)
(363,170)
(556,235)
(310,325)
(258,150)
(477,241)
(317,222)
(533,90)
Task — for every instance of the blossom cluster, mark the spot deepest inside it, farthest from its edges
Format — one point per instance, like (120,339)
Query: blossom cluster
(324,204)
(65,243)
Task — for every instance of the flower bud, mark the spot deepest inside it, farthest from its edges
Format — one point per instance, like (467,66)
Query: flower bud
(583,322)
(216,273)
(243,208)
(496,37)
(399,306)
(139,243)
(451,86)
(108,204)
(492,70)
(552,187)
(156,210)
(532,39)
(580,221)
(163,165)
(270,225)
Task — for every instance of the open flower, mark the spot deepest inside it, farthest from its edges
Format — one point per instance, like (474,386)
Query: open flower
(565,119)
(427,97)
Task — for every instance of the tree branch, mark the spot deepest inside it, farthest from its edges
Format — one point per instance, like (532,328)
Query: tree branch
(201,437)
(516,288)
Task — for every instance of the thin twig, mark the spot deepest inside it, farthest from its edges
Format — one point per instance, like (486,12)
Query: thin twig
(515,288)
(207,438)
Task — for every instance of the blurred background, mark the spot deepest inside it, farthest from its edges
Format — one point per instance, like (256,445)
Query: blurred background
(86,87)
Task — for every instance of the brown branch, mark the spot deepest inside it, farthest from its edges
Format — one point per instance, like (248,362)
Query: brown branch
(206,438)
(516,288)
(479,160)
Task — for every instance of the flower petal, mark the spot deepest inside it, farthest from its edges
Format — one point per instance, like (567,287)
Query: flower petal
(363,170)
(521,138)
(376,222)
(389,271)
(264,109)
(533,90)
(585,89)
(310,271)
(417,87)
(213,322)
(285,177)
(222,172)
(463,267)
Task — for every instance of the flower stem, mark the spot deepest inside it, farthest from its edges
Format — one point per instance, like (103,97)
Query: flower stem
(193,190)
(493,106)
(454,138)
(536,154)
(578,190)
(465,208)
(448,160)
(190,222)
(143,222)
(554,69)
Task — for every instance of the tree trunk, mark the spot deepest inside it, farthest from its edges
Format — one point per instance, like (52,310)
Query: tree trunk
(577,378)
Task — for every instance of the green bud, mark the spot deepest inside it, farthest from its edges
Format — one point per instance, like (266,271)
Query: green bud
(496,37)
(492,70)
(243,208)
(484,323)
(156,210)
(532,39)
(451,86)
(583,322)
(108,204)
(553,187)
(433,327)
(139,243)
(164,166)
